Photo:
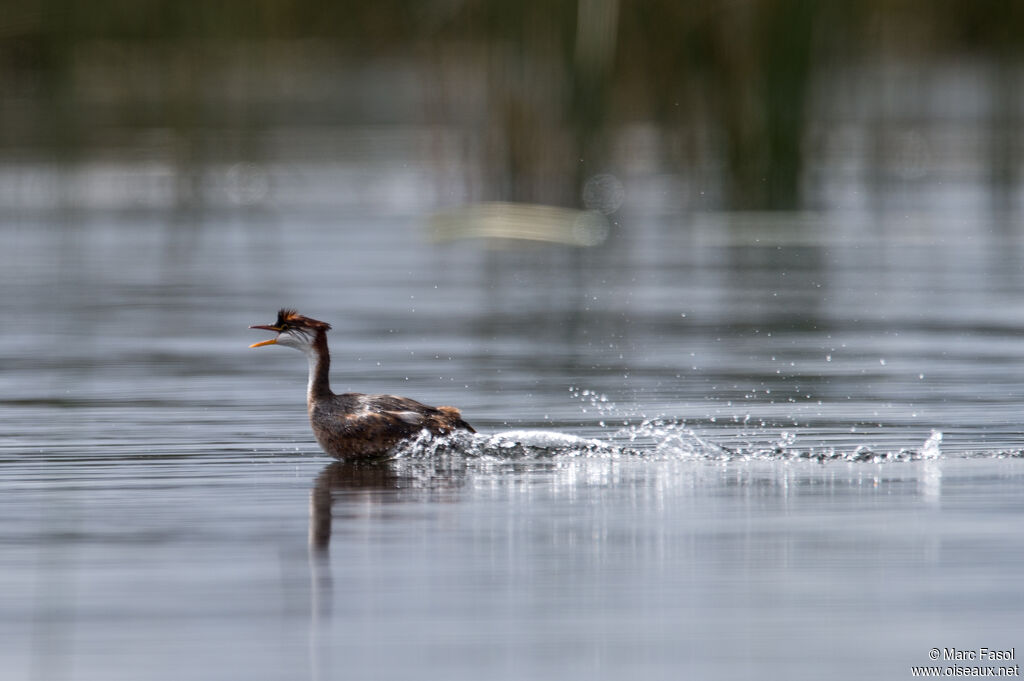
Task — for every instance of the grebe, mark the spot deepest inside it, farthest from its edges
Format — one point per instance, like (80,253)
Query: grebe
(354,425)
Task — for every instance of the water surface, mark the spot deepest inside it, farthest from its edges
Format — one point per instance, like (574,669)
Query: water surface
(798,454)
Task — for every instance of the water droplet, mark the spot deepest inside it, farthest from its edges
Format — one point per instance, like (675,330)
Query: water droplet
(931,450)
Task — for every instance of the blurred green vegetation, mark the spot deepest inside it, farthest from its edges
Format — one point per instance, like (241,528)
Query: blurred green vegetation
(544,84)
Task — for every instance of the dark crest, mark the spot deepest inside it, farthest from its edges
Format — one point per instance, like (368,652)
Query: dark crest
(289,318)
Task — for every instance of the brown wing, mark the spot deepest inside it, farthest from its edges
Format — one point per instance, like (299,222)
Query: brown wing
(436,419)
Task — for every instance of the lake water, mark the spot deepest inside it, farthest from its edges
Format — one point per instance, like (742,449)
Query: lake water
(755,447)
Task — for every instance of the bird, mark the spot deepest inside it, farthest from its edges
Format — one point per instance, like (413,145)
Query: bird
(354,426)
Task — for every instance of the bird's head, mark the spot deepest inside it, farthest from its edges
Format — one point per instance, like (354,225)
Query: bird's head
(293,330)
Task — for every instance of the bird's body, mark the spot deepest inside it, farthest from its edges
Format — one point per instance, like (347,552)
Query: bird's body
(354,425)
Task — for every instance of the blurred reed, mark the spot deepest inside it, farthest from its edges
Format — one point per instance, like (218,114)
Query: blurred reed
(523,101)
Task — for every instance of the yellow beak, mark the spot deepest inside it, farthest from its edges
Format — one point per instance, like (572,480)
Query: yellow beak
(265,327)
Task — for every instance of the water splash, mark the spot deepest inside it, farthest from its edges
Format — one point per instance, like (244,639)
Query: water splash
(510,444)
(666,438)
(661,439)
(930,449)
(626,435)
(524,442)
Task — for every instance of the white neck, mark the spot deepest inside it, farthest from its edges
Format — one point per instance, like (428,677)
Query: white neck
(312,358)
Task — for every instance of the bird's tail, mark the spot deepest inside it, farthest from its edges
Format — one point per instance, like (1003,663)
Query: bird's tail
(453,419)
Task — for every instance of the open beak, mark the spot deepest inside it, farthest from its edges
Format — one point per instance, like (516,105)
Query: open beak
(272,341)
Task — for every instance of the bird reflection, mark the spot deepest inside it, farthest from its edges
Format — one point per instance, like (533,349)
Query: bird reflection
(376,483)
(369,484)
(339,475)
(355,490)
(348,476)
